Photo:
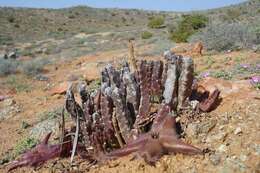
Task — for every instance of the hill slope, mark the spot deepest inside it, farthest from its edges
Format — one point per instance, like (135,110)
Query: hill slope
(25,24)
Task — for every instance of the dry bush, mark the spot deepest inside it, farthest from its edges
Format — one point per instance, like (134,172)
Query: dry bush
(8,67)
(222,37)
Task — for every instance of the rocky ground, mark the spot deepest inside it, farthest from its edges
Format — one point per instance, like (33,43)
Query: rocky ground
(230,133)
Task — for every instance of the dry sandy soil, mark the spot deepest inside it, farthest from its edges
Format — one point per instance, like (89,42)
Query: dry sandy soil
(231,132)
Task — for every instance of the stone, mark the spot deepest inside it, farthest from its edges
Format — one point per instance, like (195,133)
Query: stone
(222,148)
(238,131)
(192,130)
(221,136)
(194,104)
(9,102)
(221,127)
(243,157)
(9,109)
(60,89)
(206,126)
(41,77)
(233,165)
(57,96)
(227,88)
(12,55)
(215,158)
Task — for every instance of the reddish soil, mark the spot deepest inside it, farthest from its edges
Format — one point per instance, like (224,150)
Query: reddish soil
(237,109)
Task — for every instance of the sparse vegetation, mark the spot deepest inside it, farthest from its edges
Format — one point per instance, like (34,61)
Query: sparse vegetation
(18,84)
(22,146)
(232,15)
(146,35)
(223,75)
(53,113)
(222,37)
(5,40)
(33,67)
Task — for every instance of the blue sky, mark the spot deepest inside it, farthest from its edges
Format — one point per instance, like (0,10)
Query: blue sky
(169,5)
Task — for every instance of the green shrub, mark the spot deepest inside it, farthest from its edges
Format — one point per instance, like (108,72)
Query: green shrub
(146,35)
(8,67)
(21,147)
(24,144)
(223,75)
(156,22)
(11,19)
(189,25)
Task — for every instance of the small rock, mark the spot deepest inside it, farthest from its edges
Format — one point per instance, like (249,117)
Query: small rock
(222,148)
(240,118)
(4,160)
(234,157)
(60,89)
(215,159)
(9,111)
(48,86)
(243,157)
(12,55)
(224,119)
(177,119)
(41,77)
(57,96)
(221,136)
(194,104)
(233,165)
(207,126)
(221,127)
(9,102)
(192,130)
(238,131)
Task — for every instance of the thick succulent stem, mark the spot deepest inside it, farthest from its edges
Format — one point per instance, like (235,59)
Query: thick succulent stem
(185,82)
